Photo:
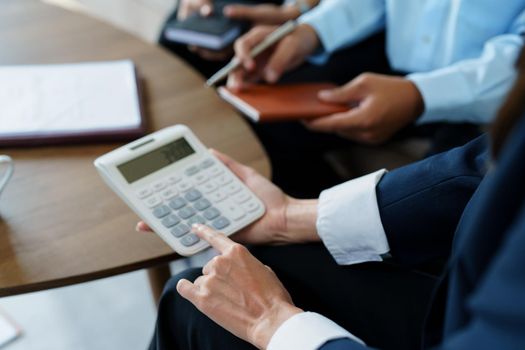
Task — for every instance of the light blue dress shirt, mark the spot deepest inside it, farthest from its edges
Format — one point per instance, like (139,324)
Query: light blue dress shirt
(459,53)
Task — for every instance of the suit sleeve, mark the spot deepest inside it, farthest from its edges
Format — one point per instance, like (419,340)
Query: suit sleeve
(420,204)
(496,307)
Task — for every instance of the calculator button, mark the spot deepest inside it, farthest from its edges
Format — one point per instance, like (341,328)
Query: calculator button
(192,170)
(242,197)
(170,220)
(200,179)
(207,163)
(180,230)
(197,219)
(186,212)
(161,211)
(202,204)
(189,240)
(217,196)
(177,203)
(220,223)
(211,213)
(251,206)
(209,187)
(215,171)
(143,193)
(232,188)
(183,186)
(193,195)
(174,179)
(169,193)
(152,201)
(159,186)
(224,179)
(233,211)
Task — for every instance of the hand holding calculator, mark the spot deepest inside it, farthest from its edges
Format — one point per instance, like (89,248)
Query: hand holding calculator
(171,181)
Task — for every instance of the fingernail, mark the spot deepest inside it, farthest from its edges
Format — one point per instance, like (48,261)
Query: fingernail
(227,11)
(270,75)
(137,228)
(205,10)
(324,94)
(197,227)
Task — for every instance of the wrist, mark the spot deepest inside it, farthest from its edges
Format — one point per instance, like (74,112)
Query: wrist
(417,99)
(267,325)
(309,39)
(300,222)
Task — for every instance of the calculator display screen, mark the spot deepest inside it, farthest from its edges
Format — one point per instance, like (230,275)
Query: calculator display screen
(157,159)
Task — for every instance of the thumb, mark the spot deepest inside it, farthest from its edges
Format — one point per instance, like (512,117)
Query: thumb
(242,171)
(239,12)
(343,94)
(187,290)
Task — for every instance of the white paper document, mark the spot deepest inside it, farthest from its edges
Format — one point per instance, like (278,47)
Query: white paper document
(68,97)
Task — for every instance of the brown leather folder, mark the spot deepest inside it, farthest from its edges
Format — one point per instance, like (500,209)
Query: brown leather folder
(270,103)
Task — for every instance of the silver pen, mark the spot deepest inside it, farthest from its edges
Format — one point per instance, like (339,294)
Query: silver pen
(271,39)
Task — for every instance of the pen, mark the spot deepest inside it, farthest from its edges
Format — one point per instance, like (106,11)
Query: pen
(271,39)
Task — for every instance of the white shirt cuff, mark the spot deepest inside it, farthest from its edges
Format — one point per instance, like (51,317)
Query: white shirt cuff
(349,222)
(308,331)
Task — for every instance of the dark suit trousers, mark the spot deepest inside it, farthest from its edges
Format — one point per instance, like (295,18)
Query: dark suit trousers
(382,303)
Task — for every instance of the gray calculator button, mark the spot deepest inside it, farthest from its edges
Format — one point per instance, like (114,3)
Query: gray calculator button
(233,211)
(220,223)
(186,212)
(209,187)
(217,196)
(224,179)
(174,179)
(170,220)
(251,206)
(192,170)
(200,179)
(189,240)
(143,193)
(152,201)
(233,188)
(197,219)
(180,230)
(215,171)
(161,211)
(202,204)
(183,186)
(169,193)
(193,195)
(160,186)
(211,213)
(207,163)
(242,197)
(177,203)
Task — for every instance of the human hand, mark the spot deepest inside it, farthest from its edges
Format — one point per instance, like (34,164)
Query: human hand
(238,292)
(287,54)
(286,220)
(384,105)
(189,7)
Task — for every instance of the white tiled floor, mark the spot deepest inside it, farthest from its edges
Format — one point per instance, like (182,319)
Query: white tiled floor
(113,313)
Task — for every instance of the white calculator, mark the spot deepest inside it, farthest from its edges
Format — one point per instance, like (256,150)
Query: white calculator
(172,181)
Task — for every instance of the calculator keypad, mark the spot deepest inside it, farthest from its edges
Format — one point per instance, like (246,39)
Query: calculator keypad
(203,194)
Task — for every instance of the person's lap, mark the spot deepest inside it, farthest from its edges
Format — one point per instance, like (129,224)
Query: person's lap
(382,303)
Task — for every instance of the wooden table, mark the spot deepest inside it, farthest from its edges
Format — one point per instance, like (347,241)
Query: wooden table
(59,223)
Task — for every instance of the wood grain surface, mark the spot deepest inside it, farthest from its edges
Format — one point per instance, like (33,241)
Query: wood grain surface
(59,223)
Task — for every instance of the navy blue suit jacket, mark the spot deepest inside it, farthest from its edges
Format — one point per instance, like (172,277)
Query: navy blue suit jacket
(454,205)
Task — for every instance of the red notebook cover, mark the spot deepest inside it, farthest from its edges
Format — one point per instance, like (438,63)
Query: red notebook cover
(270,103)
